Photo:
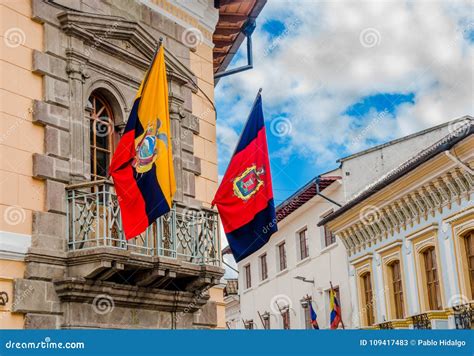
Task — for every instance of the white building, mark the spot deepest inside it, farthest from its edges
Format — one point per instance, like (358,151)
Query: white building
(313,258)
(299,261)
(410,240)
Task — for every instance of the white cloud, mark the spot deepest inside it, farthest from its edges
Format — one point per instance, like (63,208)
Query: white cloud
(321,66)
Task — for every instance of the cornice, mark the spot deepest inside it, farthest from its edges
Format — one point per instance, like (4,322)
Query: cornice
(379,223)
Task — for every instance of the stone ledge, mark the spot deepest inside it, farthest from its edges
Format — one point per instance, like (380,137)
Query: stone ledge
(81,290)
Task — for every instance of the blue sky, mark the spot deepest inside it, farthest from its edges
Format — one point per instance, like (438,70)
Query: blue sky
(339,78)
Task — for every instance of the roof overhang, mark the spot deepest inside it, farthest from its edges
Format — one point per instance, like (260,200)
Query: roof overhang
(228,35)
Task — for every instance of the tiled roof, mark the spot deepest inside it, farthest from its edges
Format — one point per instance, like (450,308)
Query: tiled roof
(446,143)
(303,195)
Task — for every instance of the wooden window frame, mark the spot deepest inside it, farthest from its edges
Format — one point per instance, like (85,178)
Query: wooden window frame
(329,237)
(94,117)
(469,255)
(397,289)
(432,276)
(362,266)
(461,224)
(303,243)
(368,297)
(247,276)
(422,240)
(282,262)
(390,254)
(263,267)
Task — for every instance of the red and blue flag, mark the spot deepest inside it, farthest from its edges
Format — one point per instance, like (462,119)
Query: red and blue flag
(314,321)
(245,196)
(335,315)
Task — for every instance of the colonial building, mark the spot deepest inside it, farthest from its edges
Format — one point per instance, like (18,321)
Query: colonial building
(276,288)
(70,71)
(298,264)
(410,239)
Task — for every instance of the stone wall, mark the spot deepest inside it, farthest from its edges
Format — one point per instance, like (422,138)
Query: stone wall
(101,46)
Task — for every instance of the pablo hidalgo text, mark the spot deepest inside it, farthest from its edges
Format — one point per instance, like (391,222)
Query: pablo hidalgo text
(441,342)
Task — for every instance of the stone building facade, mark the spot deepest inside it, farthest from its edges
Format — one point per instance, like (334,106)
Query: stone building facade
(70,72)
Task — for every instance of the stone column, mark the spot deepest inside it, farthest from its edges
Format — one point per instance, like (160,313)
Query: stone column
(80,165)
(409,273)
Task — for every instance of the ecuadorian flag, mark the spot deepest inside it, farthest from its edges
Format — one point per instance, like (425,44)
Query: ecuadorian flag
(142,166)
(335,316)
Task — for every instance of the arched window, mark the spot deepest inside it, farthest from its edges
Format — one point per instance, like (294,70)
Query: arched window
(469,253)
(101,135)
(368,298)
(432,279)
(397,289)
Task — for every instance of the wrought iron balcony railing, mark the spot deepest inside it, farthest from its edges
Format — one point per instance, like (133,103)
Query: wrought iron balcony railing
(94,221)
(421,321)
(464,316)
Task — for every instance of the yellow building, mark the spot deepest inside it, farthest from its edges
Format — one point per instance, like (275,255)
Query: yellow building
(69,72)
(410,239)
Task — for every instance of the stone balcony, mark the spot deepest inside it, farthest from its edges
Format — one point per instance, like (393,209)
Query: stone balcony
(180,251)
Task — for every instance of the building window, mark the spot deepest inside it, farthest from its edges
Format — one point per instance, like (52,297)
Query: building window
(368,298)
(303,244)
(282,256)
(263,267)
(248,276)
(329,237)
(397,289)
(101,121)
(432,281)
(469,247)
(286,319)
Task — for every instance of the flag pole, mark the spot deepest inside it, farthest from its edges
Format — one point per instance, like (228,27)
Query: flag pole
(340,308)
(261,319)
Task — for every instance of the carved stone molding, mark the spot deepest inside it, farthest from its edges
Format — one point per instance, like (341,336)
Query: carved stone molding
(409,209)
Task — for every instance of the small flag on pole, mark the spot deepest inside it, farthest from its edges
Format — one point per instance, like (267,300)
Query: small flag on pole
(314,316)
(245,196)
(335,316)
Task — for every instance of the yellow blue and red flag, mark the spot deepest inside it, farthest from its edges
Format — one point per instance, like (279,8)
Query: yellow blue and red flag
(142,166)
(335,307)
